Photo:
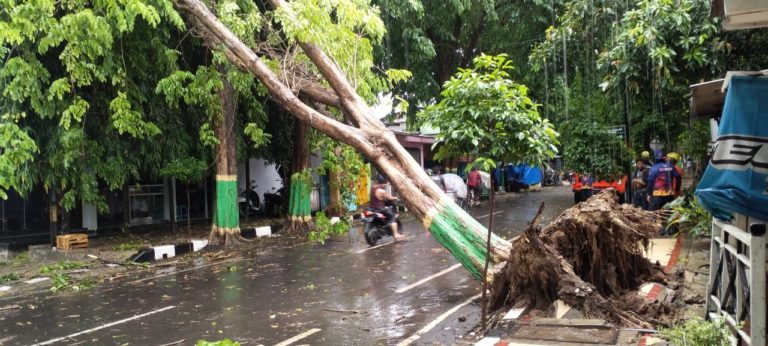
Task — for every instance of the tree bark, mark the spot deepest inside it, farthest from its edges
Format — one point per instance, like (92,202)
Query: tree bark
(336,206)
(226,225)
(456,230)
(298,199)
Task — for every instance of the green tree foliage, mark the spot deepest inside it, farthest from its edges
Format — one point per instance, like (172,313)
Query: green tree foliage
(485,114)
(76,79)
(592,149)
(16,150)
(643,54)
(432,38)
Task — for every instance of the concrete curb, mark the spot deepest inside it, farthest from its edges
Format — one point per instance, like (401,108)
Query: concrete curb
(162,252)
(167,251)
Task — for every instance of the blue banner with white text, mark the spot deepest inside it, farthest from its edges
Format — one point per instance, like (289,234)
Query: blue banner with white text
(736,180)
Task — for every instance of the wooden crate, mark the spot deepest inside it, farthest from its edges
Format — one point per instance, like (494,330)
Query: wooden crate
(72,241)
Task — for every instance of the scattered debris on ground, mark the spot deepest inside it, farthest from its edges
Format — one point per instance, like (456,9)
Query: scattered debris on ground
(106,258)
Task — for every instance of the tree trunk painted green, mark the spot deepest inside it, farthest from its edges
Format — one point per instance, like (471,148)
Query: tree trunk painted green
(226,220)
(456,230)
(299,204)
(227,216)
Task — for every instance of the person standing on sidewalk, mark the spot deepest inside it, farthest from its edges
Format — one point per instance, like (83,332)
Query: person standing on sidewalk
(639,179)
(663,180)
(673,159)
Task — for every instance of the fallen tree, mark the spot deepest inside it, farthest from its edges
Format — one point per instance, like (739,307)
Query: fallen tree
(589,257)
(536,269)
(451,226)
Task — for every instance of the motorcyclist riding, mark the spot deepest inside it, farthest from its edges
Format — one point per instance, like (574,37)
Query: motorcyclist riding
(379,196)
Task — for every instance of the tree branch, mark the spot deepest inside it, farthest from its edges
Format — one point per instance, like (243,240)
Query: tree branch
(350,100)
(214,31)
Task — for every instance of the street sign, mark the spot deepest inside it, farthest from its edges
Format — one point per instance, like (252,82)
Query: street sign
(619,131)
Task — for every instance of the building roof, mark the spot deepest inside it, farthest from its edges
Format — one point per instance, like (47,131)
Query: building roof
(414,138)
(708,98)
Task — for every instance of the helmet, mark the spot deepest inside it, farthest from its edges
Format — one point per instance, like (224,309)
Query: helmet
(645,154)
(674,156)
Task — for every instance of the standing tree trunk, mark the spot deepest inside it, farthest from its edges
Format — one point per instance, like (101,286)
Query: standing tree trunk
(450,225)
(226,220)
(336,206)
(299,196)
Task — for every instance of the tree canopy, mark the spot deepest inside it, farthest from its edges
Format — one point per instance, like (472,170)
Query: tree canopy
(77,107)
(484,114)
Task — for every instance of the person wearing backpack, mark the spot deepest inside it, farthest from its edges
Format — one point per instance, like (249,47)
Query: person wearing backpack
(663,182)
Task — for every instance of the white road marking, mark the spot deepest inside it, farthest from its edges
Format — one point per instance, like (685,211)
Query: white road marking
(417,283)
(184,270)
(105,326)
(437,321)
(380,245)
(299,337)
(480,217)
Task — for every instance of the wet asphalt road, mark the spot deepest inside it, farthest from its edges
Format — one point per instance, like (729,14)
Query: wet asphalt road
(335,294)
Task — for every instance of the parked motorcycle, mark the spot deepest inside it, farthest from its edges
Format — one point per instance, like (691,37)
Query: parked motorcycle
(248,202)
(273,203)
(551,177)
(375,224)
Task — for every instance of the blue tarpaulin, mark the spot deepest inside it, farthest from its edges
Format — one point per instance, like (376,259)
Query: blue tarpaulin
(737,176)
(523,173)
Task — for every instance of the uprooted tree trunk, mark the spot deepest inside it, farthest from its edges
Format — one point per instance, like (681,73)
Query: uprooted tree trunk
(450,225)
(530,271)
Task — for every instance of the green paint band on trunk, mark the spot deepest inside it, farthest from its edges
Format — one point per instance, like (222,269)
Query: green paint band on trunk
(299,205)
(453,228)
(227,215)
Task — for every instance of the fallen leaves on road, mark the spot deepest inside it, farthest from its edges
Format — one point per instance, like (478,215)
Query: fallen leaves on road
(9,307)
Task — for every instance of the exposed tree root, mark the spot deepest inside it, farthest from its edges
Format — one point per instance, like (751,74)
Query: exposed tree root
(225,236)
(588,257)
(604,242)
(298,226)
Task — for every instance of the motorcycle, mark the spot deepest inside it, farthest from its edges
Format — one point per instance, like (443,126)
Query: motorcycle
(375,224)
(551,177)
(273,203)
(248,201)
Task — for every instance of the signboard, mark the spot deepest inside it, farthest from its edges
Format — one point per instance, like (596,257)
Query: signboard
(619,131)
(736,180)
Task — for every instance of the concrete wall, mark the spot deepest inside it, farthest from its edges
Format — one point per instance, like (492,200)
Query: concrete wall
(263,176)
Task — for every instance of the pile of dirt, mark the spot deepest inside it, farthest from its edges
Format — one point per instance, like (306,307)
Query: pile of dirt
(590,257)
